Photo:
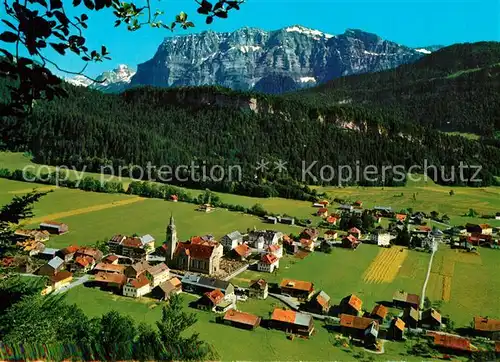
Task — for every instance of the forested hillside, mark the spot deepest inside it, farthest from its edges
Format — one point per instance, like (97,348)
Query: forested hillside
(453,89)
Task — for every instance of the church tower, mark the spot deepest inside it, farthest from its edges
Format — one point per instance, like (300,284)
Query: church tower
(171,239)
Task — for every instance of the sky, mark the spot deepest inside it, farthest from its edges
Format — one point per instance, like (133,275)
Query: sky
(415,23)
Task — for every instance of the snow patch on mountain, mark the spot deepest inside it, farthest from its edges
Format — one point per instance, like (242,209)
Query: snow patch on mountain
(423,51)
(307,80)
(309,32)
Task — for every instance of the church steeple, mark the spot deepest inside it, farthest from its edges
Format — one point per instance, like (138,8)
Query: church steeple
(171,239)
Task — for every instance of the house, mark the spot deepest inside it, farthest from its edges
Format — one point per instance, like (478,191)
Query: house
(484,229)
(358,203)
(133,247)
(241,320)
(94,253)
(174,198)
(83,264)
(194,283)
(430,319)
(350,242)
(215,301)
(110,280)
(384,211)
(67,253)
(133,271)
(411,317)
(276,250)
(268,263)
(164,290)
(452,343)
(157,274)
(205,208)
(111,259)
(351,305)
(319,303)
(109,268)
(331,235)
(322,212)
(242,252)
(31,234)
(258,289)
(379,313)
(317,204)
(332,220)
(261,238)
(381,238)
(402,299)
(307,244)
(309,233)
(354,232)
(346,207)
(397,329)
(292,322)
(271,219)
(361,328)
(401,217)
(497,216)
(137,287)
(61,279)
(487,327)
(52,267)
(231,240)
(287,220)
(54,227)
(324,203)
(299,289)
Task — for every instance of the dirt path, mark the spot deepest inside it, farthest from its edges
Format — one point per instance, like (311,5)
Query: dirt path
(85,210)
(39,189)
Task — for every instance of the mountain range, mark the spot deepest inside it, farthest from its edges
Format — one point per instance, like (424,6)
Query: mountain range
(277,61)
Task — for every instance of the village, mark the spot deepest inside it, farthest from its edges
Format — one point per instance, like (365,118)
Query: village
(137,266)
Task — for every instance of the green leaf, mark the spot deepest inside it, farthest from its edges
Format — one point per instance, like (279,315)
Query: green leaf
(8,37)
(182,17)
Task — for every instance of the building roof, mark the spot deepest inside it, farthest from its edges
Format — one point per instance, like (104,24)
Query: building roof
(485,324)
(412,313)
(103,277)
(331,219)
(118,238)
(132,242)
(383,208)
(306,242)
(351,238)
(140,267)
(235,235)
(399,324)
(52,223)
(323,299)
(139,282)
(55,262)
(401,217)
(380,311)
(269,259)
(170,285)
(146,239)
(241,318)
(118,268)
(403,296)
(310,232)
(433,314)
(453,342)
(290,316)
(84,260)
(49,251)
(354,231)
(322,210)
(243,250)
(297,285)
(258,284)
(158,269)
(110,258)
(331,232)
(350,321)
(215,296)
(69,250)
(274,248)
(354,301)
(93,252)
(62,275)
(195,250)
(203,281)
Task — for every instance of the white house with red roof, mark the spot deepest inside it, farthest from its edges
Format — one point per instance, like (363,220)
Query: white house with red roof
(268,263)
(276,250)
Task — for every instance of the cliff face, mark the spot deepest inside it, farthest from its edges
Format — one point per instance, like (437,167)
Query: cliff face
(273,62)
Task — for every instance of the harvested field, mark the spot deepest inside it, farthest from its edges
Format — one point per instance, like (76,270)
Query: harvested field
(385,267)
(446,289)
(301,254)
(85,210)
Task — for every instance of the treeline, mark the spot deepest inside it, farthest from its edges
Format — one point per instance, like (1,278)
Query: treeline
(58,330)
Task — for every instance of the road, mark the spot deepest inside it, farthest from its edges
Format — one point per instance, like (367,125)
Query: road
(435,247)
(76,282)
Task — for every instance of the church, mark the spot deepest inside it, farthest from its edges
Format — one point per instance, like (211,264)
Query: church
(199,254)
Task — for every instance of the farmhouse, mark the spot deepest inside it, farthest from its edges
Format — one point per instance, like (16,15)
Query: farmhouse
(133,247)
(452,343)
(83,264)
(109,268)
(297,288)
(262,238)
(258,289)
(381,238)
(411,317)
(397,329)
(205,208)
(384,211)
(276,250)
(36,235)
(350,242)
(268,263)
(164,290)
(401,217)
(402,299)
(54,227)
(52,267)
(331,235)
(351,305)
(286,220)
(241,320)
(487,327)
(61,279)
(358,203)
(307,244)
(95,254)
(174,198)
(231,240)
(346,207)
(198,284)
(354,232)
(215,301)
(484,229)
(157,274)
(332,220)
(111,259)
(497,216)
(47,253)
(431,319)
(67,254)
(362,328)
(309,233)
(110,280)
(242,252)
(322,212)
(138,287)
(134,270)
(319,303)
(379,313)
(271,219)
(292,322)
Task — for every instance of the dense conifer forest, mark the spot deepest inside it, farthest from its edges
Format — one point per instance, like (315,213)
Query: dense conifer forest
(393,118)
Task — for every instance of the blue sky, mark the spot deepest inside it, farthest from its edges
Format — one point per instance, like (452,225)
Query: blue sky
(413,23)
